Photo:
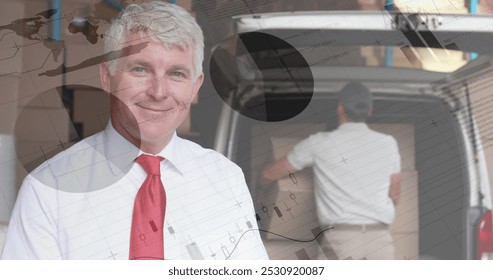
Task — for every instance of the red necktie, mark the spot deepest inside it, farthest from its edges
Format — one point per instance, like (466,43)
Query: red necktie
(147,237)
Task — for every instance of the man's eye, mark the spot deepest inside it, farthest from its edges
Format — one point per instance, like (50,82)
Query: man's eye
(138,69)
(177,74)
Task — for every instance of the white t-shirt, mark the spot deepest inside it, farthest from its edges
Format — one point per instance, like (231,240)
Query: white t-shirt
(79,204)
(352,169)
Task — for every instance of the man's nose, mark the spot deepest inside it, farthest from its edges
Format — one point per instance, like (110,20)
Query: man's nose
(157,88)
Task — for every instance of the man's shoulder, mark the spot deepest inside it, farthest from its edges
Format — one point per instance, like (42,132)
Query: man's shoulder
(381,135)
(201,155)
(68,160)
(383,139)
(384,136)
(321,135)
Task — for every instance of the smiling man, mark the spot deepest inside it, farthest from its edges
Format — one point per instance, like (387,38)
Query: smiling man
(136,190)
(151,91)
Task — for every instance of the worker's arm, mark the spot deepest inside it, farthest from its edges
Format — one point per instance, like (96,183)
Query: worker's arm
(276,170)
(395,187)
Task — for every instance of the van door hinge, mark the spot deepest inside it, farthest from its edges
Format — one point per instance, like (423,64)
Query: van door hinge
(417,22)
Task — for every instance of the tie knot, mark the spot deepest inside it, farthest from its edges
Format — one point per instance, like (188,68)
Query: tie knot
(150,164)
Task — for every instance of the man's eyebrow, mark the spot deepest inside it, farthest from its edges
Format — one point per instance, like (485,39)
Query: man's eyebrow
(144,63)
(182,67)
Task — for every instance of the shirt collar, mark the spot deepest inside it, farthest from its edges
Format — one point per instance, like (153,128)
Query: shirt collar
(171,153)
(118,151)
(122,154)
(353,125)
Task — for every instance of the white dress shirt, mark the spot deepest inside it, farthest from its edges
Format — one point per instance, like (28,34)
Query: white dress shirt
(352,168)
(79,204)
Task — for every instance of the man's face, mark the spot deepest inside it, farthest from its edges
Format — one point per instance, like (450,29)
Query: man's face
(151,90)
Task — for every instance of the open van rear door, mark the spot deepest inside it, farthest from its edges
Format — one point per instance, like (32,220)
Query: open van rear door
(465,32)
(327,40)
(334,38)
(469,89)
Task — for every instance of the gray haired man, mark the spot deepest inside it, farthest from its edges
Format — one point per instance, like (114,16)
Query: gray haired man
(136,190)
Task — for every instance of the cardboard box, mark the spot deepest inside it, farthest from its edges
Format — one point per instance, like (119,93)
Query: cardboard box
(44,125)
(407,210)
(436,6)
(406,246)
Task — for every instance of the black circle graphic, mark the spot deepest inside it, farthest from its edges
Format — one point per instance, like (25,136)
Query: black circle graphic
(261,76)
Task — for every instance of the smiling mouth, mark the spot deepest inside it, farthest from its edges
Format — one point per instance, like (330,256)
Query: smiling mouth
(158,110)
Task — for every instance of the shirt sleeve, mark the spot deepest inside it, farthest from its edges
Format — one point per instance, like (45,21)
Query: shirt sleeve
(396,158)
(32,232)
(249,244)
(302,155)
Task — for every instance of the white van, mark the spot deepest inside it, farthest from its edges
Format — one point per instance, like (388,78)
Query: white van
(279,83)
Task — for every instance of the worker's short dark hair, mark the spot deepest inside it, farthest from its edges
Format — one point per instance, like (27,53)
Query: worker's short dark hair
(356,100)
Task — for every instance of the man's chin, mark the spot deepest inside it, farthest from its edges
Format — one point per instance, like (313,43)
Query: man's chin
(152,130)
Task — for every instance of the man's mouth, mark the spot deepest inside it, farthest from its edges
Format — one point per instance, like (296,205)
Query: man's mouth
(155,108)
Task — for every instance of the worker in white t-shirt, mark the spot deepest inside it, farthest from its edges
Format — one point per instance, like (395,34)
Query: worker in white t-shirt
(356,177)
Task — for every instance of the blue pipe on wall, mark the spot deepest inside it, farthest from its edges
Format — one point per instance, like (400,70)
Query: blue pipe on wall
(56,30)
(473,9)
(389,59)
(115,4)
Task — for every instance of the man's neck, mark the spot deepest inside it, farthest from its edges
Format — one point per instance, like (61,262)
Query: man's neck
(343,119)
(150,146)
(154,148)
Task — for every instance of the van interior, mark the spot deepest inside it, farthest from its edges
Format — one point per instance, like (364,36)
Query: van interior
(430,215)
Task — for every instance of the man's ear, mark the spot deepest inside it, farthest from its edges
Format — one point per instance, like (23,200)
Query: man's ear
(340,109)
(197,85)
(370,112)
(104,74)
